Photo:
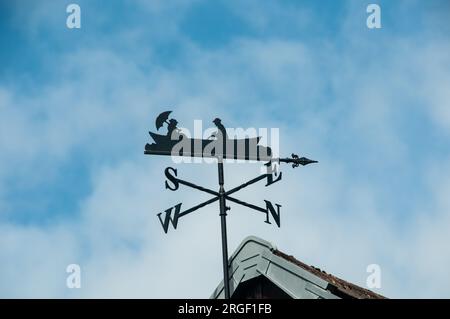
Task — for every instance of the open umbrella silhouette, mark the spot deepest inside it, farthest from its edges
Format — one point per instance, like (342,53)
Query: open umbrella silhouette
(161,119)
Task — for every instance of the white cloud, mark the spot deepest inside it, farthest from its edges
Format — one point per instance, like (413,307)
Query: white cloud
(103,106)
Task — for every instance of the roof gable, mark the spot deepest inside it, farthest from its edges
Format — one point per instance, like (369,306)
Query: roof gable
(256,257)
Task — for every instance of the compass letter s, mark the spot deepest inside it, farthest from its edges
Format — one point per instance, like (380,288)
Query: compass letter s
(168,218)
(171,178)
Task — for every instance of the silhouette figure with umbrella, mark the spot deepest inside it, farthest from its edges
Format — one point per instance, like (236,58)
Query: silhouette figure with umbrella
(171,124)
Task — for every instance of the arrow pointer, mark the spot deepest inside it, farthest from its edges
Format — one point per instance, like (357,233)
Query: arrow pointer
(296,161)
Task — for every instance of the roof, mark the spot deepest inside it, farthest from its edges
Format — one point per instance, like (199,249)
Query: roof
(256,257)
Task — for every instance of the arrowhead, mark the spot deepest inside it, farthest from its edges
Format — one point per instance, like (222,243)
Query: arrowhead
(305,161)
(296,161)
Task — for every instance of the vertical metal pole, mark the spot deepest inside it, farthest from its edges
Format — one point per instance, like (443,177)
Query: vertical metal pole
(223,224)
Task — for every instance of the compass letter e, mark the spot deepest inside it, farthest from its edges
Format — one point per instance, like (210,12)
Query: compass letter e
(271,171)
(168,217)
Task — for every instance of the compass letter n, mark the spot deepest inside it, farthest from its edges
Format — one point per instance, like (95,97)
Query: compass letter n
(275,213)
(168,218)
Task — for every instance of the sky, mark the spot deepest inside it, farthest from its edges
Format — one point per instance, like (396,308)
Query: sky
(371,105)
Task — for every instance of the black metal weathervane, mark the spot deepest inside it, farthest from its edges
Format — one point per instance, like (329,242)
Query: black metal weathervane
(175,143)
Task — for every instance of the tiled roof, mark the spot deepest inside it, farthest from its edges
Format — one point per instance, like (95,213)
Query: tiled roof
(342,286)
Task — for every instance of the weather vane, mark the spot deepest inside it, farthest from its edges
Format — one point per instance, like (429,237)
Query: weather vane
(219,146)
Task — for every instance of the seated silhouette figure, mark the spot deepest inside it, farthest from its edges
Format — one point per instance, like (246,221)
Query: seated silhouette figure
(172,127)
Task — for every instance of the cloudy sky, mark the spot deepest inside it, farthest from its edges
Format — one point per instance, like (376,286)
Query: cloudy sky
(373,106)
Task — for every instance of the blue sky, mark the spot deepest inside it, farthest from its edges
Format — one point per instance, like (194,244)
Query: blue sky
(75,107)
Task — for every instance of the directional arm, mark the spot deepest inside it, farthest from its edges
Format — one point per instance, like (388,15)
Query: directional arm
(269,209)
(190,210)
(250,182)
(200,188)
(240,202)
(231,191)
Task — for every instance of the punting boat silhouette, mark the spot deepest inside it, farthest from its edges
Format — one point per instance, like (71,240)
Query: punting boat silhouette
(246,148)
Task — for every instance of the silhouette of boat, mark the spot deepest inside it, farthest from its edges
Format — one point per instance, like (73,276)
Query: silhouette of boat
(246,148)
(162,139)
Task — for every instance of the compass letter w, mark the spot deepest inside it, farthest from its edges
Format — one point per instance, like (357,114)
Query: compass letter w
(168,218)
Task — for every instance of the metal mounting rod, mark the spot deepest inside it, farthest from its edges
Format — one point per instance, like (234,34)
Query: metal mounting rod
(223,224)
